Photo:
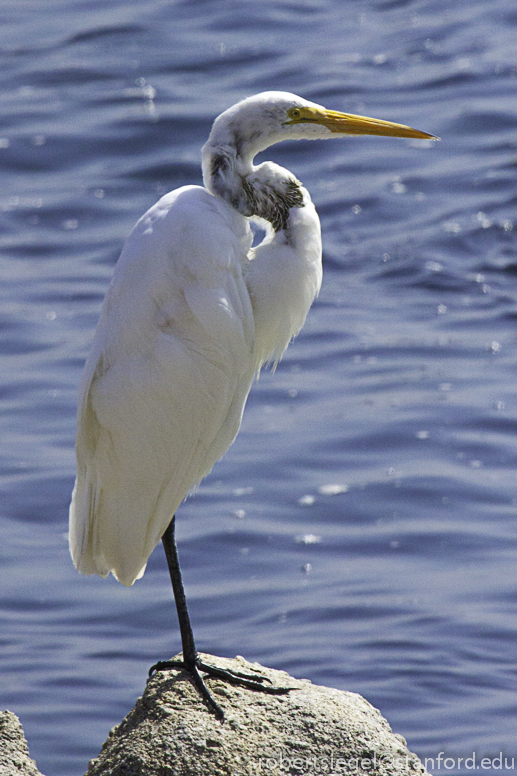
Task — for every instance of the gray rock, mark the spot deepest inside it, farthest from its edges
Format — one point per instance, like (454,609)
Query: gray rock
(14,752)
(308,731)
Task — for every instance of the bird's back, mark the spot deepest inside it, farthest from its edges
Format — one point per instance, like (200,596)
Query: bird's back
(166,381)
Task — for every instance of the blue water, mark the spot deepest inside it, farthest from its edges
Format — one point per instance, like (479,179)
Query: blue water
(362,530)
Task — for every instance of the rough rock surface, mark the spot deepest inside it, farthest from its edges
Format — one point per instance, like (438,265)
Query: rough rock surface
(14,752)
(308,731)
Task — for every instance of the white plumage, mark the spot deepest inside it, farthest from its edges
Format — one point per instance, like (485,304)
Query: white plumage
(191,315)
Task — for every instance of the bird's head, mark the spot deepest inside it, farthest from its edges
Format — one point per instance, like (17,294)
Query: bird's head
(258,122)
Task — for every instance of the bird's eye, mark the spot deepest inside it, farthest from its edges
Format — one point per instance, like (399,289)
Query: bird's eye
(294,113)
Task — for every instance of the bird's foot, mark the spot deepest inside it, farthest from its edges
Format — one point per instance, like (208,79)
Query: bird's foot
(250,681)
(194,672)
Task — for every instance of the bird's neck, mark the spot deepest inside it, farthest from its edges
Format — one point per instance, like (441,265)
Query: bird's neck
(267,191)
(224,172)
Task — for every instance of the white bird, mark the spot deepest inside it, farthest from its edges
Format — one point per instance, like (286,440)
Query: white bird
(192,314)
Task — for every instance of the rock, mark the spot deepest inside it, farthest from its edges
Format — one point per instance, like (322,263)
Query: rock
(14,752)
(310,730)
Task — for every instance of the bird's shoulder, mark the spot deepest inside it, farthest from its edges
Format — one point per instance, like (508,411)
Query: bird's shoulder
(190,227)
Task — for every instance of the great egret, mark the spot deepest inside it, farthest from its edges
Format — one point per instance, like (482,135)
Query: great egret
(192,314)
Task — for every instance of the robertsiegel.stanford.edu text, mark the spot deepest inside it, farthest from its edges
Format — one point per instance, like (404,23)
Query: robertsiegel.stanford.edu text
(330,764)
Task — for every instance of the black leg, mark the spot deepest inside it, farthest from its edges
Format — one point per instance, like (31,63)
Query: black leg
(187,637)
(191,661)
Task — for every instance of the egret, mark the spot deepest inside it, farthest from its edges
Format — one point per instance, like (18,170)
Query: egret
(192,314)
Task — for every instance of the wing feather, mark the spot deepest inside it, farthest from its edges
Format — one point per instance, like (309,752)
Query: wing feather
(165,384)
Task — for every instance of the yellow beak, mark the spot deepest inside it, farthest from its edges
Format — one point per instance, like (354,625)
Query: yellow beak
(350,124)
